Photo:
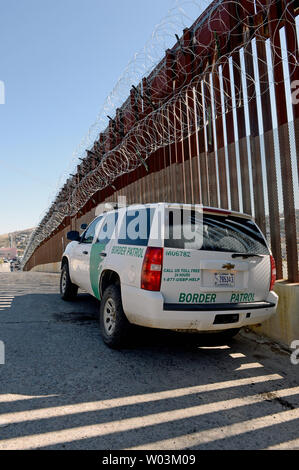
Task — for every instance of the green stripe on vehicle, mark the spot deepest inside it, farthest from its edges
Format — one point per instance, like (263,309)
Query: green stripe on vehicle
(96,266)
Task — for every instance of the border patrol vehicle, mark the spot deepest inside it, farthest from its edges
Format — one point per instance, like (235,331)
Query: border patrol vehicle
(171,266)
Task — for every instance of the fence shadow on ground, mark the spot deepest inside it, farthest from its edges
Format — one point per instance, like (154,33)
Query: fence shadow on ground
(62,388)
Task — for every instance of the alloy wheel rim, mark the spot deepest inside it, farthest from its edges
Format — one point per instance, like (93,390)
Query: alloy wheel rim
(63,281)
(109,316)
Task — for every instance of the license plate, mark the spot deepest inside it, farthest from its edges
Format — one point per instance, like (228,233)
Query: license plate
(224,280)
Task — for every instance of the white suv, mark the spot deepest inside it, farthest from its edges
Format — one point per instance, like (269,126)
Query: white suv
(171,266)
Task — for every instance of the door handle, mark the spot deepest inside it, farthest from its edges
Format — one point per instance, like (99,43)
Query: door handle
(85,252)
(103,255)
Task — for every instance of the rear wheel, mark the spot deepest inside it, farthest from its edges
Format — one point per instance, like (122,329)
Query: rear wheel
(68,290)
(114,326)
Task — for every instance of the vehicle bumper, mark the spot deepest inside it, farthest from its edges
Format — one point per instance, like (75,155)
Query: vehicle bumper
(148,309)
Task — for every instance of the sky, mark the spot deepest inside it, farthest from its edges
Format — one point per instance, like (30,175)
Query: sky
(59,59)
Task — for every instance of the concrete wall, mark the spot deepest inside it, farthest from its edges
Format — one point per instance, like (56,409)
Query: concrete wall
(47,268)
(284,326)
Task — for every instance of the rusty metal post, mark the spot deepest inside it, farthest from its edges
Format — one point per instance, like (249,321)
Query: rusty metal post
(210,147)
(220,139)
(244,166)
(274,219)
(293,63)
(202,153)
(285,153)
(256,162)
(230,136)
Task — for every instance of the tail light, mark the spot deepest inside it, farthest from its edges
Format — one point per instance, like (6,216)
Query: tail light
(273,272)
(152,269)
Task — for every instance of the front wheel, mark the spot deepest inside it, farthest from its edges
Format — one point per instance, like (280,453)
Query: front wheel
(114,326)
(68,290)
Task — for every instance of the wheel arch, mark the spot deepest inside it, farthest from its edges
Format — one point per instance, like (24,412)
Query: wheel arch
(64,261)
(108,277)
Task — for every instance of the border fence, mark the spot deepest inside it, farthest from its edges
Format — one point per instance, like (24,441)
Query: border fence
(216,122)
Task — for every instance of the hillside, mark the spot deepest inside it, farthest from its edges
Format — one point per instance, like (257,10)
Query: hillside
(19,239)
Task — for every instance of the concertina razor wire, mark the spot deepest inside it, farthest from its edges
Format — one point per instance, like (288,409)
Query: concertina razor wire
(200,97)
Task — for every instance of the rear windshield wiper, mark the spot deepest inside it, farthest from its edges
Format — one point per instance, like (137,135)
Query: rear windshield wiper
(246,255)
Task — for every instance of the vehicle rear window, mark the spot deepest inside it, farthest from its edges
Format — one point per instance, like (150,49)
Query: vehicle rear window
(136,226)
(218,233)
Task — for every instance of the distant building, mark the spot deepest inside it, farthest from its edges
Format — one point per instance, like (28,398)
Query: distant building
(8,253)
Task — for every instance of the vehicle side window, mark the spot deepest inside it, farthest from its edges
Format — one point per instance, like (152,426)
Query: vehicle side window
(88,235)
(107,228)
(136,227)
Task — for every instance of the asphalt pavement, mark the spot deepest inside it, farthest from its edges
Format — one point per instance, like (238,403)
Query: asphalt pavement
(62,388)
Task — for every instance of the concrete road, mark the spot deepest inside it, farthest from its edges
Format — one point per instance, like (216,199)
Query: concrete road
(61,388)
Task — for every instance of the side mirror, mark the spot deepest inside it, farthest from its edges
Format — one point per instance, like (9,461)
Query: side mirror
(73,236)
(84,226)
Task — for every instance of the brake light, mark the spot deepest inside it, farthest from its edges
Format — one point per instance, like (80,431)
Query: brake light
(152,269)
(273,272)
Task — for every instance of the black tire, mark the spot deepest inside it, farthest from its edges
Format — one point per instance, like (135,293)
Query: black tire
(114,326)
(68,290)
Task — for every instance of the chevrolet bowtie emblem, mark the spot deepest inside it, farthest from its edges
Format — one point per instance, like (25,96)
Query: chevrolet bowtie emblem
(228,266)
